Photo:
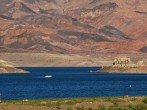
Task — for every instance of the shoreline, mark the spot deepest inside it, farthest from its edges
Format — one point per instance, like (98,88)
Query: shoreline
(74,98)
(47,59)
(94,103)
(12,70)
(102,69)
(124,70)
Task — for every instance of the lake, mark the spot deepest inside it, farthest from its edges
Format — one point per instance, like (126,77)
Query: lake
(70,82)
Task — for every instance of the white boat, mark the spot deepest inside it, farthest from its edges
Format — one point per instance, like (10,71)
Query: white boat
(48,76)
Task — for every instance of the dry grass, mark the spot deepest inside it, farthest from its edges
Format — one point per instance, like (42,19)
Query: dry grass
(110,103)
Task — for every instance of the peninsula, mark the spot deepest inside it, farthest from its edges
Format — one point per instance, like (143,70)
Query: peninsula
(125,65)
(5,67)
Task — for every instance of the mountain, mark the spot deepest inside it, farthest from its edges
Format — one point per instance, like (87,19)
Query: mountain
(73,26)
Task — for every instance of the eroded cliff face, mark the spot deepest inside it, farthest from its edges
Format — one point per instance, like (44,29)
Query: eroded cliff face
(73,26)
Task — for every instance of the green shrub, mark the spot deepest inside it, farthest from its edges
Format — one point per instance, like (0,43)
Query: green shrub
(80,108)
(138,107)
(133,99)
(48,104)
(58,103)
(145,100)
(58,108)
(117,108)
(70,102)
(114,101)
(101,107)
(90,108)
(69,108)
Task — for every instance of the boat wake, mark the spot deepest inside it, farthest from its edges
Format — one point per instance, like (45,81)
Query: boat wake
(48,76)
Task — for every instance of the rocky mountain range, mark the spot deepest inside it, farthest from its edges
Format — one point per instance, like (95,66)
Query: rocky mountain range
(73,26)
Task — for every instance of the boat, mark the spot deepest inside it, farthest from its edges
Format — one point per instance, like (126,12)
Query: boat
(91,71)
(48,76)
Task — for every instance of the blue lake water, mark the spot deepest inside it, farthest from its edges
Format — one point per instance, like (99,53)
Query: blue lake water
(68,82)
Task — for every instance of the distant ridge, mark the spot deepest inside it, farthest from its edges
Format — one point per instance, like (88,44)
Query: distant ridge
(73,26)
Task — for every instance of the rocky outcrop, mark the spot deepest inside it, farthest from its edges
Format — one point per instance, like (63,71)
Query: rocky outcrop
(125,65)
(126,62)
(118,70)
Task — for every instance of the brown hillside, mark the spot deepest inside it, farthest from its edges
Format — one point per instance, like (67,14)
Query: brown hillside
(73,26)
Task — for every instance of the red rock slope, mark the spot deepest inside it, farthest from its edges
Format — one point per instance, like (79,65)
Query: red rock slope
(73,26)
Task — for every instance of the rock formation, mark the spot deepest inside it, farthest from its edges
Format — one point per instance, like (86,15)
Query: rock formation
(125,65)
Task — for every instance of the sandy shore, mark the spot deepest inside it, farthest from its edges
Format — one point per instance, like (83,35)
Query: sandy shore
(5,68)
(11,70)
(110,103)
(46,59)
(62,60)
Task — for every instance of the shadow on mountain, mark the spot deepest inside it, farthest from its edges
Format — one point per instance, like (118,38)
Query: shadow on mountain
(113,32)
(144,49)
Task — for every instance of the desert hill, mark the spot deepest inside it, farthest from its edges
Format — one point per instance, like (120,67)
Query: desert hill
(73,26)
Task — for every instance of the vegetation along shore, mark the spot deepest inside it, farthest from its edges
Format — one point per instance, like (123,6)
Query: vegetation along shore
(108,103)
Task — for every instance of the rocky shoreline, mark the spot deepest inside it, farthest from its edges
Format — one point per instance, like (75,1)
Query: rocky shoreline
(125,65)
(109,69)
